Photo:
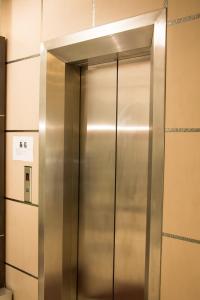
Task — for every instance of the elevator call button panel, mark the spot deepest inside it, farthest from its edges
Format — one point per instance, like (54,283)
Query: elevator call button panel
(28,184)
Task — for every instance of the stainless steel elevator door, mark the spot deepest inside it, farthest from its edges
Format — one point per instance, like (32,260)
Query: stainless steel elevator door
(114,141)
(97,182)
(131,179)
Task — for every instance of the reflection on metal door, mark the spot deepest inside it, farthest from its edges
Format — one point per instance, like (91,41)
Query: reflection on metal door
(97,182)
(132,177)
(114,141)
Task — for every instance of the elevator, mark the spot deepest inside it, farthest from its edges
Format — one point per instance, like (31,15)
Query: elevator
(114,139)
(101,162)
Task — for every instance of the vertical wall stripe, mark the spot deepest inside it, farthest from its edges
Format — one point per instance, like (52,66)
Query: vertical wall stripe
(93,13)
(41,20)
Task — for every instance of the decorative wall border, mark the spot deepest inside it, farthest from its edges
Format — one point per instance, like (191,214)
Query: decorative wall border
(186,130)
(184,19)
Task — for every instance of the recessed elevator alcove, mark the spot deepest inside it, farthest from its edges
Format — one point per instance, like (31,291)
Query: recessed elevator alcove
(101,162)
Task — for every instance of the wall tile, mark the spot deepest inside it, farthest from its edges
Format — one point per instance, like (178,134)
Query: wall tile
(15,169)
(180,270)
(183,80)
(113,10)
(64,16)
(182,8)
(21,26)
(23,94)
(182,188)
(24,287)
(22,236)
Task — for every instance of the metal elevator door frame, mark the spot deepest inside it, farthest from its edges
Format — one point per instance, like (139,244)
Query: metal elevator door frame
(60,63)
(2,157)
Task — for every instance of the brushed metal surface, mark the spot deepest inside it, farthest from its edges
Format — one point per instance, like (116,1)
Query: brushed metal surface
(103,31)
(43,169)
(119,42)
(28,184)
(71,181)
(52,181)
(2,157)
(97,182)
(132,179)
(156,165)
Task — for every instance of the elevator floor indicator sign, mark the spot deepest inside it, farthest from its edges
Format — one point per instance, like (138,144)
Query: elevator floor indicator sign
(23,148)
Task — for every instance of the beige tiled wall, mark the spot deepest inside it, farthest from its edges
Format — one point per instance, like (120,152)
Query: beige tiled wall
(180,270)
(24,287)
(113,10)
(182,188)
(25,23)
(183,80)
(181,246)
(23,94)
(21,25)
(182,8)
(22,236)
(63,17)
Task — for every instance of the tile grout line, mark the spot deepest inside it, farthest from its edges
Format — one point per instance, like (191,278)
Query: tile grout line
(186,130)
(20,270)
(23,58)
(93,12)
(22,202)
(28,130)
(41,21)
(181,238)
(183,19)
